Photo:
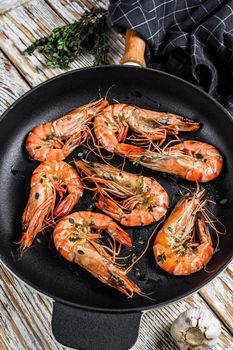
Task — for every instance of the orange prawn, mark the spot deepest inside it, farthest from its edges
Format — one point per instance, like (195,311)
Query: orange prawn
(176,249)
(112,123)
(192,160)
(47,179)
(57,139)
(77,238)
(142,199)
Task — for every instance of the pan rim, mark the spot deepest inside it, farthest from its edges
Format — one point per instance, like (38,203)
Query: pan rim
(113,66)
(93,308)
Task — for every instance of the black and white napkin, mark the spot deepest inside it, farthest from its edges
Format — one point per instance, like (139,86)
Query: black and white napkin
(192,39)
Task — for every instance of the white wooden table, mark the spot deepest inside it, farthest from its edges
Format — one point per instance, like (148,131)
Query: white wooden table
(25,315)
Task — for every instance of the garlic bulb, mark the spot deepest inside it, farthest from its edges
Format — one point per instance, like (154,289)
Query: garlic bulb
(197,329)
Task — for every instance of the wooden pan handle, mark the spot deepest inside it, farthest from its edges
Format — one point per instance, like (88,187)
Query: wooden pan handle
(134,49)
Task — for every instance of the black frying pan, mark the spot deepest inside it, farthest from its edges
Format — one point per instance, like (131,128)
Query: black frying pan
(88,314)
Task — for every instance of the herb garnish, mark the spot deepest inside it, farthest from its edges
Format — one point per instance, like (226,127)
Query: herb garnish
(50,137)
(163,258)
(180,193)
(73,239)
(136,162)
(66,43)
(127,211)
(150,208)
(223,201)
(199,156)
(185,245)
(137,272)
(80,252)
(128,185)
(71,221)
(90,207)
(37,195)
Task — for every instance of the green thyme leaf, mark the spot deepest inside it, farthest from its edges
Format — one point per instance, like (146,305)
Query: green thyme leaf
(136,162)
(66,43)
(73,239)
(71,221)
(150,208)
(137,272)
(127,211)
(223,201)
(199,156)
(180,193)
(90,207)
(163,258)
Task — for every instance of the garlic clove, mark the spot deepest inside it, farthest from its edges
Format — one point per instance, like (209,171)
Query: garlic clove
(196,328)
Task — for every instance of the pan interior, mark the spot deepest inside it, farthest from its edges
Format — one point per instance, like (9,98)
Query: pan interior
(41,266)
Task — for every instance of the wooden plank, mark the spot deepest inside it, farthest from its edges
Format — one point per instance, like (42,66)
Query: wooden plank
(219,295)
(26,316)
(20,27)
(6,5)
(11,84)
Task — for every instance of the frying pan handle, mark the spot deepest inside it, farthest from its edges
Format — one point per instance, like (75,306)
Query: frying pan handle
(88,330)
(134,49)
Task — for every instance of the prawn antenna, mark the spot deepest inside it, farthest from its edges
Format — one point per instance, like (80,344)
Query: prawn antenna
(129,268)
(107,92)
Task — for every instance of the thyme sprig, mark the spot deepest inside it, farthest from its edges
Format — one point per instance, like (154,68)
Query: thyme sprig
(66,43)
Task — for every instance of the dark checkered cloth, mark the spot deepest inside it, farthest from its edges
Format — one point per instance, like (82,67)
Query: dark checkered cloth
(189,38)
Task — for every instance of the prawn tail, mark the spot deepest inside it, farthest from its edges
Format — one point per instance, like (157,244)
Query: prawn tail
(67,204)
(36,224)
(73,142)
(109,207)
(117,233)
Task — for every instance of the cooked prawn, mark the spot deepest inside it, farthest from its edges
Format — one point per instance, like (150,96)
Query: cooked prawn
(192,160)
(77,238)
(142,199)
(112,123)
(57,139)
(176,249)
(47,179)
